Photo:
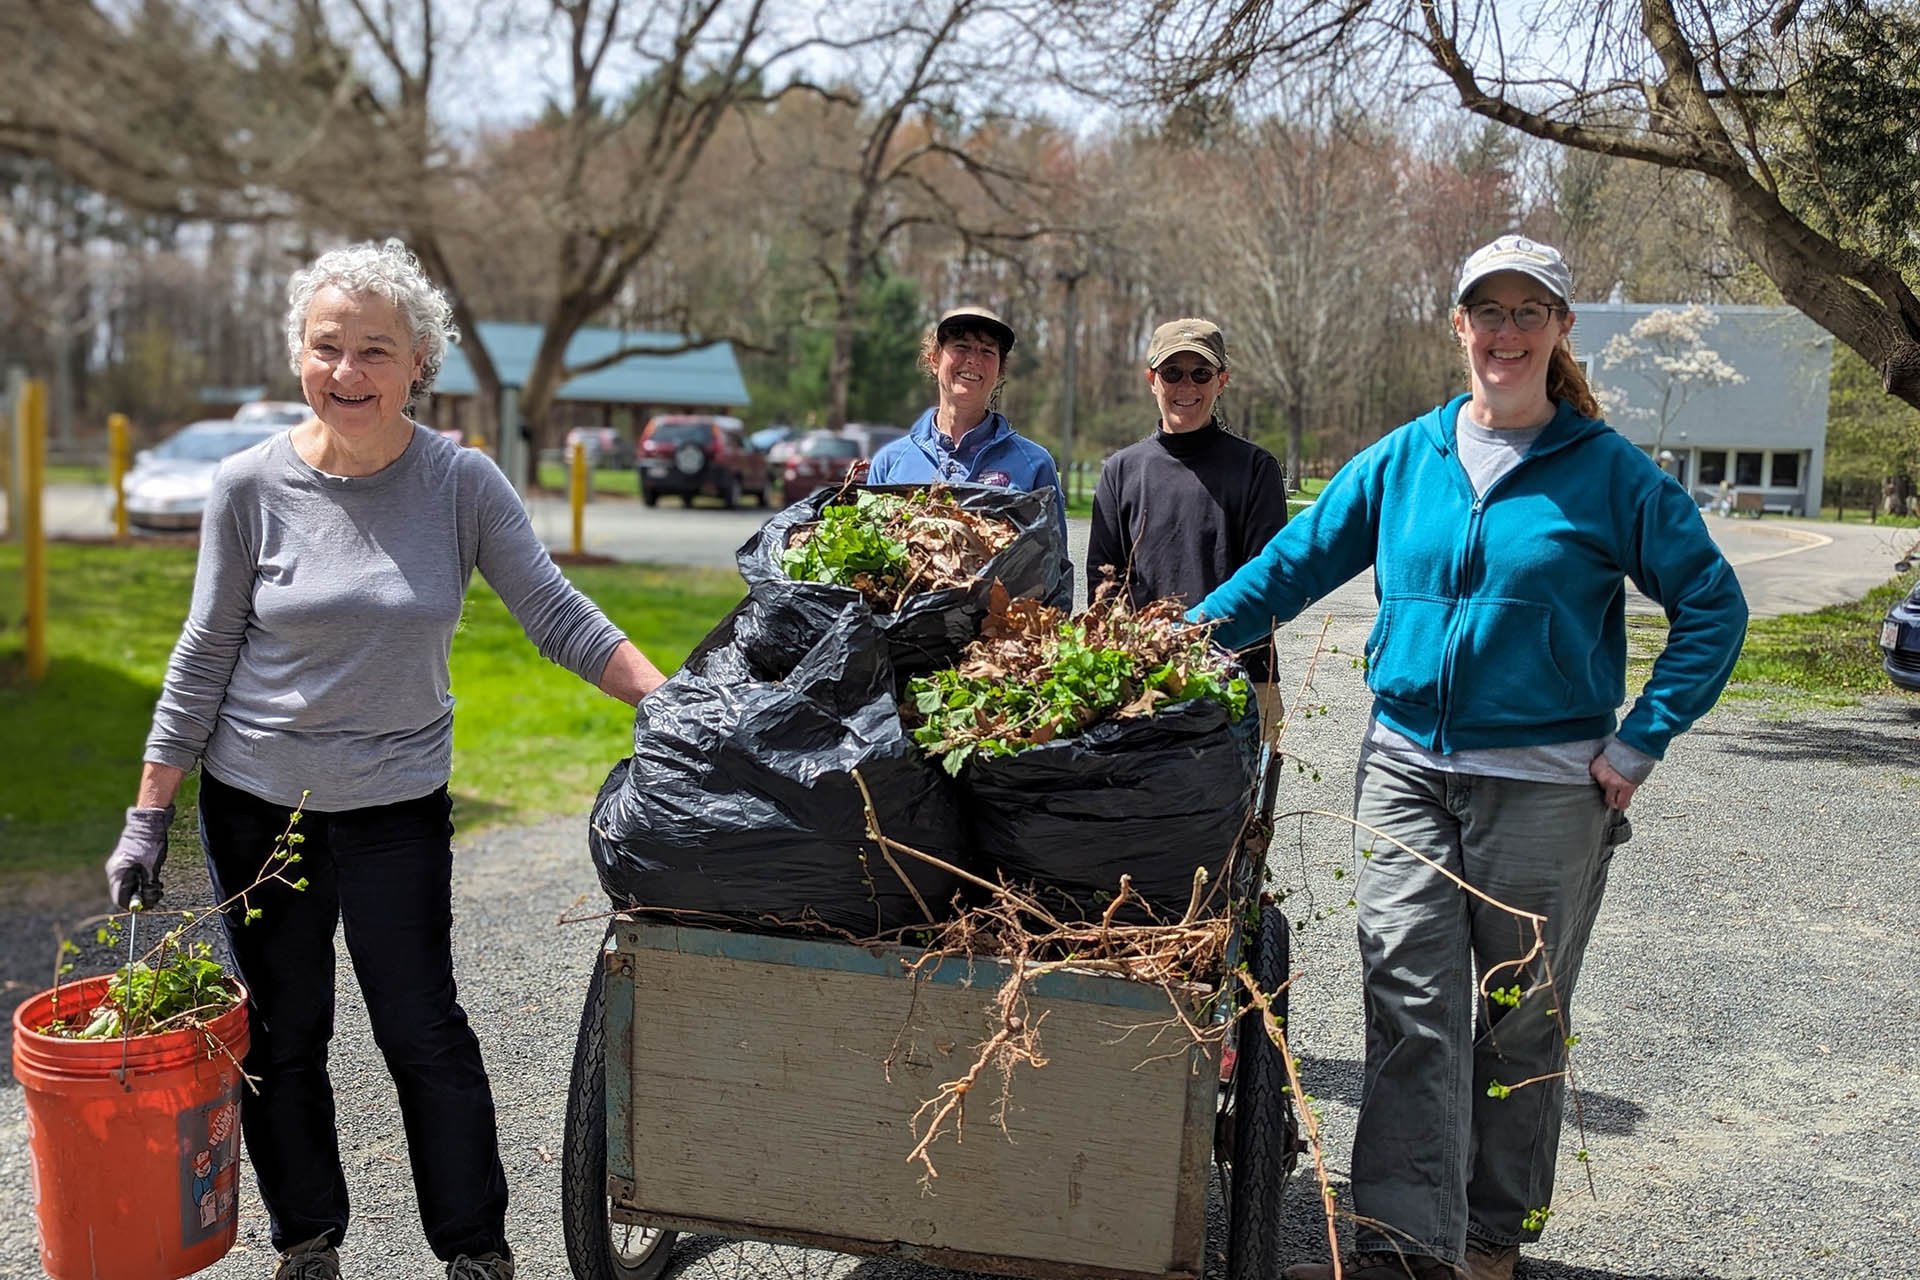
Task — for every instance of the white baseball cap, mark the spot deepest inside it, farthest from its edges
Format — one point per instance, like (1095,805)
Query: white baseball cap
(1517,253)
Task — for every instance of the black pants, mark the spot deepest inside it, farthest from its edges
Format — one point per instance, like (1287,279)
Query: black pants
(386,873)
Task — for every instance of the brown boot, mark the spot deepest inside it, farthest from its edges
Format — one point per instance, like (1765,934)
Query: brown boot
(1491,1262)
(1377,1265)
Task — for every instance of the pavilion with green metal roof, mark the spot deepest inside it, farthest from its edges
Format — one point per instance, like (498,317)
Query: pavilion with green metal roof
(663,373)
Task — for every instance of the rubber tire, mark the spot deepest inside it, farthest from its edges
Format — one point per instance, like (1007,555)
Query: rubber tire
(583,1172)
(649,494)
(730,491)
(686,499)
(1264,1124)
(764,495)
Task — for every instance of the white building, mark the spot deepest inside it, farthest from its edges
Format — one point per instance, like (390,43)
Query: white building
(1766,434)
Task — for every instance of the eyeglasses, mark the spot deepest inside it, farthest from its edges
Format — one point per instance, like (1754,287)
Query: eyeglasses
(1174,377)
(1528,317)
(961,349)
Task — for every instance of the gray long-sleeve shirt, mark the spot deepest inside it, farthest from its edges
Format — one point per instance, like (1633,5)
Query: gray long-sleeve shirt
(315,654)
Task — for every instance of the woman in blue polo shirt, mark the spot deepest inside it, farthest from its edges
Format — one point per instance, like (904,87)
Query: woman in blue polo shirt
(963,438)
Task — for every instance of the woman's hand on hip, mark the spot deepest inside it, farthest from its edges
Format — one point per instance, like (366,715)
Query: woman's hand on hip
(1616,786)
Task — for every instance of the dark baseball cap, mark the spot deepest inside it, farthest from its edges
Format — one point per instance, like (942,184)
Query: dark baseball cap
(1202,337)
(975,318)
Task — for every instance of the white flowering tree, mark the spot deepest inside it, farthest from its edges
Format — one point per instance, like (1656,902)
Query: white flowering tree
(1668,350)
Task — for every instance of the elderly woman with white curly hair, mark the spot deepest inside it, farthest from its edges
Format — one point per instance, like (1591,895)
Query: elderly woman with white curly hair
(334,560)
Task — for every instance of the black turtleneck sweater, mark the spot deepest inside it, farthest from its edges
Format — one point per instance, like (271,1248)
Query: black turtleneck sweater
(1177,513)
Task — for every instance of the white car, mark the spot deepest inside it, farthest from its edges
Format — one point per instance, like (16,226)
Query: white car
(169,483)
(272,413)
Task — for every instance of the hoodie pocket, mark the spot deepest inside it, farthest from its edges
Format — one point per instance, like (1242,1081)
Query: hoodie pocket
(1505,672)
(1406,647)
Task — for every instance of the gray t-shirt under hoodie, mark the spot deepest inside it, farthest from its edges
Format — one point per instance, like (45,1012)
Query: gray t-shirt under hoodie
(315,655)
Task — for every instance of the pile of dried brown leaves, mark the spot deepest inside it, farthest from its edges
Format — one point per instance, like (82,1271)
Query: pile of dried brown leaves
(888,546)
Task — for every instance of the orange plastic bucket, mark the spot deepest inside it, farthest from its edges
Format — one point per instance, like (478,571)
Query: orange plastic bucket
(132,1180)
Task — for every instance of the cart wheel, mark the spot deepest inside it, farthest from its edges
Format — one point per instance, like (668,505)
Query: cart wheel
(1263,1122)
(598,1247)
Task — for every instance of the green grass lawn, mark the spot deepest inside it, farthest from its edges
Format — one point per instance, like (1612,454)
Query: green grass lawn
(529,738)
(1826,658)
(619,482)
(1830,656)
(1859,515)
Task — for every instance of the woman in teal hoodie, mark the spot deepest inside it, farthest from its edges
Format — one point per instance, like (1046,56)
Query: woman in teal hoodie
(1502,528)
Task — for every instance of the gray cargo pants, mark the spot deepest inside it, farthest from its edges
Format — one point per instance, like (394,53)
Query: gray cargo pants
(1435,1158)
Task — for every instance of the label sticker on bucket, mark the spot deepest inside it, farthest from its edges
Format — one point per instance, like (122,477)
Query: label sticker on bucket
(209,1167)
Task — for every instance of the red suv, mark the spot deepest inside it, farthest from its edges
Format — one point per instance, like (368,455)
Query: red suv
(691,454)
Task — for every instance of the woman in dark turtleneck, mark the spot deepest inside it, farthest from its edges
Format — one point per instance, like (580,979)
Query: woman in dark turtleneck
(1177,513)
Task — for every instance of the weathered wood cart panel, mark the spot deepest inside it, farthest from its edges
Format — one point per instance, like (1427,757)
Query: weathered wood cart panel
(748,1092)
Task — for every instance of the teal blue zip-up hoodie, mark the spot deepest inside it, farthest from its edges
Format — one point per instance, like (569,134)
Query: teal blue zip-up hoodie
(1502,620)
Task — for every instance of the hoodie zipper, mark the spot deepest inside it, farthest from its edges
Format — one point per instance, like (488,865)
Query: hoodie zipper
(1463,567)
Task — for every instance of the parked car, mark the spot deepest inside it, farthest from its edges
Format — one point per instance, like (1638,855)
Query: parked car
(781,450)
(820,459)
(272,413)
(1900,642)
(767,438)
(607,450)
(871,436)
(691,454)
(169,483)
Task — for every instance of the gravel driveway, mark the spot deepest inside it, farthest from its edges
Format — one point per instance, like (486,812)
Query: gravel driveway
(1750,1013)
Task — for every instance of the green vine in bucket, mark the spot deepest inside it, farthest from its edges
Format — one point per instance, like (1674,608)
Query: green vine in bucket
(177,983)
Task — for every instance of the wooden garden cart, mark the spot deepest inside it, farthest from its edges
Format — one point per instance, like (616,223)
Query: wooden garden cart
(744,1103)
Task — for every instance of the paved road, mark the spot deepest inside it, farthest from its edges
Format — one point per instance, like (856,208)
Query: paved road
(1786,566)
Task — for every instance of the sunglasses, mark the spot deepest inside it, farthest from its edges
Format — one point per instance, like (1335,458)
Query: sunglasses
(1528,317)
(1174,377)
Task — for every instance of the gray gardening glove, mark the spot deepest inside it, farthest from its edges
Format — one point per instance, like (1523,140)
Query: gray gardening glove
(134,865)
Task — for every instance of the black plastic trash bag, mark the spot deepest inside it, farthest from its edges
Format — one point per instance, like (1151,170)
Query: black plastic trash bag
(739,798)
(1151,796)
(930,628)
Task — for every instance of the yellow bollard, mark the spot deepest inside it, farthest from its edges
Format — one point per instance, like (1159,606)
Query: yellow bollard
(577,492)
(117,469)
(31,424)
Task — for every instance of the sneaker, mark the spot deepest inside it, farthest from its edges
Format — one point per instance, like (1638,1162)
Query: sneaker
(1491,1262)
(1377,1266)
(481,1266)
(313,1259)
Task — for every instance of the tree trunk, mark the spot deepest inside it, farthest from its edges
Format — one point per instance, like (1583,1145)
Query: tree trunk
(1819,277)
(486,375)
(1296,435)
(853,263)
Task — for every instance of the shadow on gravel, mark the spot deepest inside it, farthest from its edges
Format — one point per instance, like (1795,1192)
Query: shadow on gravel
(1605,1113)
(1537,1269)
(1339,1080)
(1893,740)
(470,811)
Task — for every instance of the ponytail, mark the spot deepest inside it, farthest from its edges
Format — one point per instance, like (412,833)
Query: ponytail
(1566,380)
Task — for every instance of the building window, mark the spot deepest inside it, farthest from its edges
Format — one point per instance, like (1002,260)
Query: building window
(1786,471)
(1746,468)
(1713,466)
